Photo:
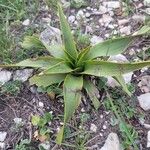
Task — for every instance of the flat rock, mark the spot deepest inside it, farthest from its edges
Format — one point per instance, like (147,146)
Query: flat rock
(118,58)
(112,142)
(5,76)
(3,136)
(51,36)
(113,83)
(23,75)
(144,101)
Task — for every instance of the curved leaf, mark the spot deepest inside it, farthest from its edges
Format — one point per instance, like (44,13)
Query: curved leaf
(67,36)
(103,68)
(55,50)
(93,92)
(46,80)
(72,97)
(61,67)
(121,81)
(32,42)
(39,62)
(109,48)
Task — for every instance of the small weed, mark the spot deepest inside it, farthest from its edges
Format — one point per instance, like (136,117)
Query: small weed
(128,7)
(82,40)
(23,145)
(11,88)
(52,91)
(43,131)
(123,112)
(78,3)
(11,13)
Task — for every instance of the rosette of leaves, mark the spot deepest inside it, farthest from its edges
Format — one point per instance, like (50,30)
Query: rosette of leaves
(72,67)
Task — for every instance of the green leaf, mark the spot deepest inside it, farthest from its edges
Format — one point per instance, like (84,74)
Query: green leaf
(48,117)
(32,42)
(92,91)
(35,120)
(61,67)
(103,68)
(40,62)
(55,50)
(42,122)
(72,97)
(144,30)
(67,36)
(109,48)
(121,81)
(46,80)
(44,130)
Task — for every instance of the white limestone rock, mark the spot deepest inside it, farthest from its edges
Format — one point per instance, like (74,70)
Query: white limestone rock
(96,39)
(3,136)
(26,22)
(5,76)
(93,127)
(148,139)
(144,101)
(51,36)
(112,142)
(23,75)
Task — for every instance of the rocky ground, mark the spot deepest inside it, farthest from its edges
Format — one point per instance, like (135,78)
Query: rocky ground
(91,21)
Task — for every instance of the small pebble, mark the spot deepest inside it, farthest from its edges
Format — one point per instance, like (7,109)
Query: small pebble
(93,127)
(101,116)
(41,104)
(3,136)
(26,22)
(87,15)
(104,127)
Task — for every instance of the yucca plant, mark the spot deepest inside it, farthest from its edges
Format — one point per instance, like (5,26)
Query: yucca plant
(72,67)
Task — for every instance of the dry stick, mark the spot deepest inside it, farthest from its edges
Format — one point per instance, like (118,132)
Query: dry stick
(91,139)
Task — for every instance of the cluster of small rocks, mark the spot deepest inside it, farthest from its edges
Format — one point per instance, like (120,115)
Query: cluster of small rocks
(21,75)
